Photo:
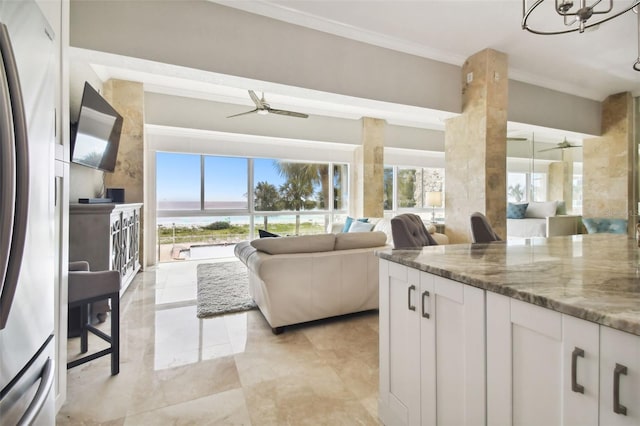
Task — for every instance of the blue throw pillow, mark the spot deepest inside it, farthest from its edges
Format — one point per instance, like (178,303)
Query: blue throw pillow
(516,211)
(347,223)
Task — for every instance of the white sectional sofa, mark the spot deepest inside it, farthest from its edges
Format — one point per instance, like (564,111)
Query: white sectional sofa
(541,219)
(305,278)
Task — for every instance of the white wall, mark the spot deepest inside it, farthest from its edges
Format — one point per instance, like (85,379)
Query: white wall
(212,37)
(549,108)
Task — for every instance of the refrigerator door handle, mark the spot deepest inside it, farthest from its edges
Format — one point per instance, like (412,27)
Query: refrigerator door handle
(22,177)
(40,398)
(7,173)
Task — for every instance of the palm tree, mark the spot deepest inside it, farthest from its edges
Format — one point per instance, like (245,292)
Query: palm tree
(297,191)
(266,199)
(388,188)
(406,187)
(516,192)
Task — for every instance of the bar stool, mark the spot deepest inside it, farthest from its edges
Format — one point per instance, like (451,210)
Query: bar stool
(481,230)
(86,287)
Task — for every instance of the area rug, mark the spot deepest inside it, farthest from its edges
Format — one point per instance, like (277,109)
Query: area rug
(223,288)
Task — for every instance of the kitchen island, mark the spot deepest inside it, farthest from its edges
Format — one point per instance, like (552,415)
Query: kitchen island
(540,331)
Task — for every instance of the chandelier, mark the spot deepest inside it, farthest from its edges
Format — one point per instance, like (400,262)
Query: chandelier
(577,16)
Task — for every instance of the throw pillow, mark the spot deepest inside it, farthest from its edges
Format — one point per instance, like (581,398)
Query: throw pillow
(541,209)
(349,221)
(266,234)
(561,208)
(516,211)
(358,226)
(384,225)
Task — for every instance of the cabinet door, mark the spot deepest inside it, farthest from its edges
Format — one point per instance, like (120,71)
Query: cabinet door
(581,364)
(524,364)
(399,398)
(537,361)
(452,339)
(619,377)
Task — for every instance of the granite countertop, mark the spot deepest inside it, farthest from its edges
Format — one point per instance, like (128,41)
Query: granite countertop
(593,277)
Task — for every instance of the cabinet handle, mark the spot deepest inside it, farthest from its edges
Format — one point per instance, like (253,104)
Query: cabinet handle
(577,352)
(617,407)
(409,305)
(424,294)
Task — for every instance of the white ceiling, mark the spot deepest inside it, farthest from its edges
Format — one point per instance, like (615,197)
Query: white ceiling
(594,64)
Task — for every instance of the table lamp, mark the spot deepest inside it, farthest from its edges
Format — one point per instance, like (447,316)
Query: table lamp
(434,199)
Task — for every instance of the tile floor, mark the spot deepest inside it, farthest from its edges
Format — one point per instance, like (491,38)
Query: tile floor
(229,370)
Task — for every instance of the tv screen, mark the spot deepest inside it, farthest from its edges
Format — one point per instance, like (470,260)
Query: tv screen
(97,133)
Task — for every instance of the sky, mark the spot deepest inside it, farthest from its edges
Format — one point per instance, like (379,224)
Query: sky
(178,177)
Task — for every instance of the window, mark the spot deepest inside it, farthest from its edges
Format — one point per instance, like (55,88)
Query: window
(225,183)
(523,187)
(516,187)
(538,187)
(387,186)
(577,195)
(178,181)
(218,201)
(340,187)
(406,188)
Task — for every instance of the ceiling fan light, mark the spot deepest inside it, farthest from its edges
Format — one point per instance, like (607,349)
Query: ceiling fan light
(262,112)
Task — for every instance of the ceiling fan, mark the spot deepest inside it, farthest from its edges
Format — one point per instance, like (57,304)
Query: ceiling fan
(263,108)
(562,145)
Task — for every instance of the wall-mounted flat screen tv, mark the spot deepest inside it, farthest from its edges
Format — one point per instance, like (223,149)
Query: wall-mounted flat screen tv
(96,135)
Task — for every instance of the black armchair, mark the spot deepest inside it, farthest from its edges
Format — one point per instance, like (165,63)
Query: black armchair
(409,231)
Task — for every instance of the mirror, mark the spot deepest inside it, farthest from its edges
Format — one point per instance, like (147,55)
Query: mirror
(545,167)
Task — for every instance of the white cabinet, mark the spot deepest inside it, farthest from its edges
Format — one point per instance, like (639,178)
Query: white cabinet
(619,378)
(549,368)
(542,365)
(432,349)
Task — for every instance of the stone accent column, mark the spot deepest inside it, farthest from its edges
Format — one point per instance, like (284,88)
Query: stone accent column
(127,98)
(561,182)
(476,147)
(368,175)
(608,181)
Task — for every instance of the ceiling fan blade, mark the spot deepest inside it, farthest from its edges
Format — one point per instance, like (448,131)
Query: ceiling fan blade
(550,149)
(288,113)
(255,99)
(517,139)
(243,113)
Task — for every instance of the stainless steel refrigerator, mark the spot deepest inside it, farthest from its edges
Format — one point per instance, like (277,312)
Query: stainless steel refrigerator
(27,116)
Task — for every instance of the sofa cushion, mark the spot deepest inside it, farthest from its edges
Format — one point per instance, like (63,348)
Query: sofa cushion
(516,210)
(541,209)
(296,244)
(356,240)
